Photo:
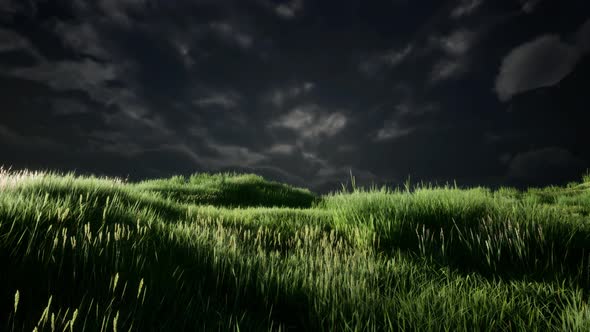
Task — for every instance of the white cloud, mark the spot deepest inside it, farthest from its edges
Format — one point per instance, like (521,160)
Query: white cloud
(456,46)
(117,9)
(528,6)
(389,59)
(465,8)
(392,130)
(289,10)
(185,51)
(541,62)
(407,108)
(81,38)
(226,101)
(91,77)
(282,149)
(311,123)
(298,119)
(85,75)
(329,125)
(456,43)
(446,69)
(313,158)
(278,97)
(285,11)
(232,155)
(394,58)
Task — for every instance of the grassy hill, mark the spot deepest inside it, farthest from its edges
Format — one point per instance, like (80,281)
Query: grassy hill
(236,252)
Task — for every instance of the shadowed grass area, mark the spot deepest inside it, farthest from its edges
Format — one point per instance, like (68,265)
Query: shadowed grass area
(235,252)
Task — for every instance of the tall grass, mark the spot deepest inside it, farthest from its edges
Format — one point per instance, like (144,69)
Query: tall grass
(235,252)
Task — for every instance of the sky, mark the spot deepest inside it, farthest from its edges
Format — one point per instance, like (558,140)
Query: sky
(481,92)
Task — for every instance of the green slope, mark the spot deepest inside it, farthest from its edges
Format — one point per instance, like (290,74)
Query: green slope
(236,252)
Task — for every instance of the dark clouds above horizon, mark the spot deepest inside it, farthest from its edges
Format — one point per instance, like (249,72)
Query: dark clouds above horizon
(479,91)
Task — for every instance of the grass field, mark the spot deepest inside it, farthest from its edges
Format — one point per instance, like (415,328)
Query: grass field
(234,252)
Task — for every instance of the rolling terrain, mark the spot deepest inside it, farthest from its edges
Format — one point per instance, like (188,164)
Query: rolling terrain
(236,252)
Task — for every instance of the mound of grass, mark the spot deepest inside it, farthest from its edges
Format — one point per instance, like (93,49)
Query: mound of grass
(97,254)
(231,190)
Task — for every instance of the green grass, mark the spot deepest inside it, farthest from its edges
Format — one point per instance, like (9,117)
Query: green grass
(236,252)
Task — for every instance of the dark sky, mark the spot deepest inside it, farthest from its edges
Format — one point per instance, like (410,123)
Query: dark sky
(486,92)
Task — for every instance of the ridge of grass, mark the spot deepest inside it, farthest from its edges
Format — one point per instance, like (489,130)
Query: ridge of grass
(229,189)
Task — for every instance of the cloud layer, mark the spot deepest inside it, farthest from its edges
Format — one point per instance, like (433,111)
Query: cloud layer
(299,90)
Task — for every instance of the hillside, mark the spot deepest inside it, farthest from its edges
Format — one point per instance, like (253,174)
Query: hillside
(236,252)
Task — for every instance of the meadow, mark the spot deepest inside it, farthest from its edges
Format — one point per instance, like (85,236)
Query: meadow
(234,252)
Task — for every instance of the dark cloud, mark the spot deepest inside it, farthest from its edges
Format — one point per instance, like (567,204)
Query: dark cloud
(551,165)
(86,75)
(65,107)
(11,41)
(83,39)
(583,37)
